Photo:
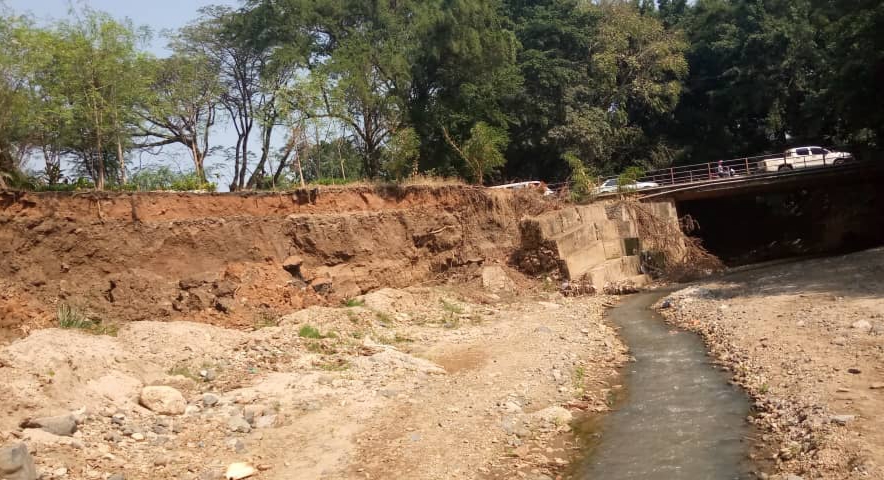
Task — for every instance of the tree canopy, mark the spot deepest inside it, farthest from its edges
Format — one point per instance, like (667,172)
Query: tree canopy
(487,90)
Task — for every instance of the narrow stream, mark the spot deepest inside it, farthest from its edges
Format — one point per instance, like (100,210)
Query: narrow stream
(679,419)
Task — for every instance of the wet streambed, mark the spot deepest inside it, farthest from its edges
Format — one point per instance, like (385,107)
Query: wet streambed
(679,418)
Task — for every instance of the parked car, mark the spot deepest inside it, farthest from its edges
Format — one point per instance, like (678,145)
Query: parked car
(804,157)
(613,185)
(531,184)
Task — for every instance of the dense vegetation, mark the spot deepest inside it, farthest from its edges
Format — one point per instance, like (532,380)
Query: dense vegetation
(481,89)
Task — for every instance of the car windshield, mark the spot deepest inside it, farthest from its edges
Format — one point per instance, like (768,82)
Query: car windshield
(610,183)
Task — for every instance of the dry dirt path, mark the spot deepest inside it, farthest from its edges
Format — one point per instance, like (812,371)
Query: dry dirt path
(807,341)
(415,383)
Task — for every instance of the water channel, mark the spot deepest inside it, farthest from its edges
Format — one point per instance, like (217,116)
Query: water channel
(679,418)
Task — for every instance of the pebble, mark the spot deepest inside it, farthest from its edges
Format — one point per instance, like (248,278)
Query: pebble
(210,399)
(117,476)
(862,325)
(854,371)
(877,386)
(237,423)
(137,436)
(163,400)
(843,419)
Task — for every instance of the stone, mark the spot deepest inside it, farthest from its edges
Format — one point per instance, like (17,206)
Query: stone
(543,329)
(61,425)
(208,374)
(16,463)
(842,419)
(224,304)
(496,280)
(163,400)
(137,436)
(840,341)
(854,371)
(322,285)
(162,461)
(292,265)
(225,288)
(877,386)
(210,399)
(60,472)
(253,412)
(117,476)
(239,424)
(212,474)
(266,421)
(863,325)
(236,471)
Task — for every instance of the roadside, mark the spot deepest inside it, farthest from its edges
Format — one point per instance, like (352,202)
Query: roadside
(469,382)
(806,340)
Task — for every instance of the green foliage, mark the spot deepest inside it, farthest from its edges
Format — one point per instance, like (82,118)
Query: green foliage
(483,151)
(69,317)
(308,331)
(402,153)
(629,177)
(582,183)
(354,302)
(163,178)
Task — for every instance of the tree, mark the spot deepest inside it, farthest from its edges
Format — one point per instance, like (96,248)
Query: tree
(16,104)
(483,151)
(182,107)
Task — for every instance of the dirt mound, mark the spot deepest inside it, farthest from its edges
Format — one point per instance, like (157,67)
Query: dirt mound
(221,258)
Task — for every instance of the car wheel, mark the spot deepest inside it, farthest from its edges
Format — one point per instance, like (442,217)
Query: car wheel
(784,168)
(838,161)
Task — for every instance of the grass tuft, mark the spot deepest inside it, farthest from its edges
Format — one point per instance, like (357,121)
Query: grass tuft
(354,302)
(308,331)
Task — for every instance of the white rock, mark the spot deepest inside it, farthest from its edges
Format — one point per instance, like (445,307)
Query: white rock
(863,325)
(236,471)
(163,400)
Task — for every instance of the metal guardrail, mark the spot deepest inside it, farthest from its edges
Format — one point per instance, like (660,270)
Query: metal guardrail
(739,167)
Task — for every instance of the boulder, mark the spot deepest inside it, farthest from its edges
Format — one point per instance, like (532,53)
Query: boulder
(163,400)
(495,279)
(61,425)
(16,463)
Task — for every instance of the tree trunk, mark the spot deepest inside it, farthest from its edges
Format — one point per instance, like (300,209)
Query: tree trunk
(122,162)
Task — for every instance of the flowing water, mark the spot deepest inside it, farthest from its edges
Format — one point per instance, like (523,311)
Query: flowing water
(679,419)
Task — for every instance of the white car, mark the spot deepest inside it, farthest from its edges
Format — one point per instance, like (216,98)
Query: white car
(804,157)
(613,185)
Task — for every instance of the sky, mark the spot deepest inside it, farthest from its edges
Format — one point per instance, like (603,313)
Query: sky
(159,16)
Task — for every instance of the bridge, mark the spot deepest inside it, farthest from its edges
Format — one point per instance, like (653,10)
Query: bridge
(747,177)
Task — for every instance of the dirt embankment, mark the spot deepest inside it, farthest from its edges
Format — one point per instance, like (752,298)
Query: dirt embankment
(236,260)
(806,340)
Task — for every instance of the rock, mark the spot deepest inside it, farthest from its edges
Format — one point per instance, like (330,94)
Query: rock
(266,421)
(224,304)
(542,329)
(239,424)
(253,412)
(212,474)
(117,476)
(512,407)
(163,400)
(793,477)
(321,285)
(555,415)
(666,304)
(842,419)
(162,461)
(60,472)
(210,399)
(854,371)
(877,386)
(236,471)
(496,280)
(61,425)
(840,341)
(137,436)
(208,374)
(292,265)
(16,463)
(863,325)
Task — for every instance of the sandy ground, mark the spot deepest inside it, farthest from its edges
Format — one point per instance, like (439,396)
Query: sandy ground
(806,340)
(421,383)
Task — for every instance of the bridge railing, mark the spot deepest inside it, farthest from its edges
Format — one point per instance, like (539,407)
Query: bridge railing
(709,171)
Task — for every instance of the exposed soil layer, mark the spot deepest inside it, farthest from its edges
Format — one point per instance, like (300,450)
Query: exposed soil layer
(806,340)
(237,260)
